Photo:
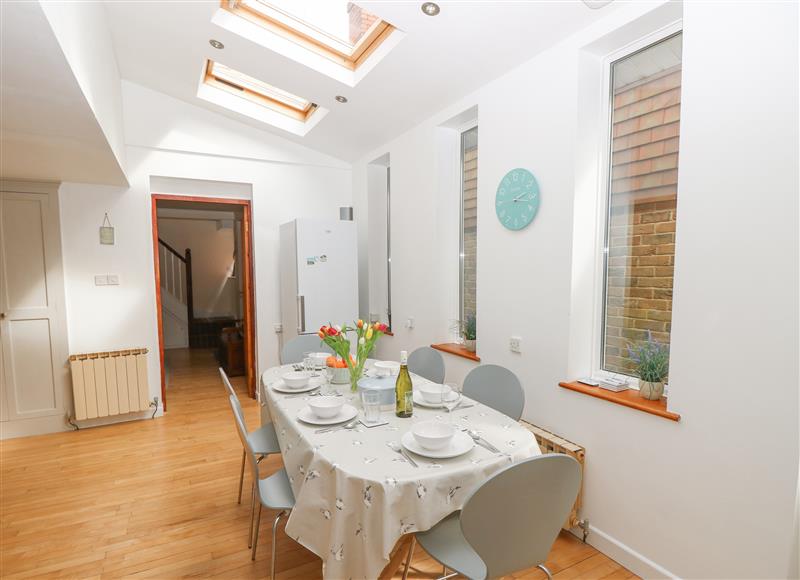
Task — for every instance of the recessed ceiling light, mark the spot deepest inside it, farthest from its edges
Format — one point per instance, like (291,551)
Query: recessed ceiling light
(596,4)
(431,8)
(341,99)
(216,44)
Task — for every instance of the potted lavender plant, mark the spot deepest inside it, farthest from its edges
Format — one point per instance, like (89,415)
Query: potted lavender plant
(651,359)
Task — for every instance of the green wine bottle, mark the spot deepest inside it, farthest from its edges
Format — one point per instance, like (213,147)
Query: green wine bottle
(403,406)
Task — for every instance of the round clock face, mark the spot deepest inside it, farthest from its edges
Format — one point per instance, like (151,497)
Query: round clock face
(517,199)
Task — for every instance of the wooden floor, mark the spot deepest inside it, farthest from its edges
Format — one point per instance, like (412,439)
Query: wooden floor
(157,498)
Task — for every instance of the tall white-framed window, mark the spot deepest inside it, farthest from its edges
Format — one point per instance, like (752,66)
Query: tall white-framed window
(636,241)
(468,227)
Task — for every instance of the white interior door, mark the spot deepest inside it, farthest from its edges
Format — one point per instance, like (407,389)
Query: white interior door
(32,333)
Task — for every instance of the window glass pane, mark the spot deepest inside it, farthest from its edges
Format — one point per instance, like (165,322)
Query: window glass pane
(469,222)
(222,72)
(338,23)
(640,234)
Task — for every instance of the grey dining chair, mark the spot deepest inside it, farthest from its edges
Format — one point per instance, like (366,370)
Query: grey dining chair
(509,523)
(496,387)
(427,362)
(292,351)
(273,492)
(263,440)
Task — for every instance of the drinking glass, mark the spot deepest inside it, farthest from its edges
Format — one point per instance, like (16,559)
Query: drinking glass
(450,401)
(308,362)
(371,400)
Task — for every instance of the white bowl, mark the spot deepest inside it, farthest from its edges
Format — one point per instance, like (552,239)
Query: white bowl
(386,368)
(296,379)
(433,392)
(326,407)
(433,434)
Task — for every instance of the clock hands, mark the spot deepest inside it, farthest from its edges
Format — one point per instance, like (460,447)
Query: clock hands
(519,198)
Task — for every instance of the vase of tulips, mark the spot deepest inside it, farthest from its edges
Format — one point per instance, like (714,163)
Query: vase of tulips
(367,335)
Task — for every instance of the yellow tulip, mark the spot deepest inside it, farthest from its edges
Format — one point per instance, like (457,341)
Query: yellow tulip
(369,333)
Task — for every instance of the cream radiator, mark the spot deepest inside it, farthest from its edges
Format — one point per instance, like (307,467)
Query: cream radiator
(109,383)
(552,443)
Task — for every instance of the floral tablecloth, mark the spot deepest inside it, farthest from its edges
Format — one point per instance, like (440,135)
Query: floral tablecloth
(355,497)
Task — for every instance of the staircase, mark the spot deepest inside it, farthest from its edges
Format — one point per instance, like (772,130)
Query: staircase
(177,312)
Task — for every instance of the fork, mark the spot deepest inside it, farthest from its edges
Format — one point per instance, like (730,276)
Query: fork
(351,425)
(481,441)
(398,449)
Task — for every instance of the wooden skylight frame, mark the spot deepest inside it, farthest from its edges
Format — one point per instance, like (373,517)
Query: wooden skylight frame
(236,83)
(312,38)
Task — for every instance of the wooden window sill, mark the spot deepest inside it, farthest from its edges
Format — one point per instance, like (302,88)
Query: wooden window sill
(629,398)
(456,349)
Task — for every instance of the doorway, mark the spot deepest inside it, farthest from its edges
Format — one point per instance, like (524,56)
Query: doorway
(202,250)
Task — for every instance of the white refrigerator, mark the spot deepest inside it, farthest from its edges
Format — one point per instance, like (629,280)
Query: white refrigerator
(318,275)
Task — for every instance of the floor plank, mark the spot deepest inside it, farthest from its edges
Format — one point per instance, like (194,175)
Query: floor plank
(157,499)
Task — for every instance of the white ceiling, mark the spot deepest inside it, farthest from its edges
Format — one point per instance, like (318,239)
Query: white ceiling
(163,45)
(48,130)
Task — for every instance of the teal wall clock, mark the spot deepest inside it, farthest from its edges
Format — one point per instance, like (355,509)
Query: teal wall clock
(517,199)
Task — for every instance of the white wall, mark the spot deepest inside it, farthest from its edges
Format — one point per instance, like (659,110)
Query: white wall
(713,495)
(301,183)
(85,38)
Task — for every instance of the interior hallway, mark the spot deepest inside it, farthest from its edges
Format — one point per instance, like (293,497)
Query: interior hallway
(158,498)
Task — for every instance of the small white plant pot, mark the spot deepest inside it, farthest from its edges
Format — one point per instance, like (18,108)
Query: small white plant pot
(651,391)
(469,345)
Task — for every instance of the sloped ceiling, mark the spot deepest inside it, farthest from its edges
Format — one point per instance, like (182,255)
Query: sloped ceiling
(163,45)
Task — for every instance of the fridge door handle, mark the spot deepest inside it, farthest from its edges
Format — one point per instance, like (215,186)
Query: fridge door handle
(301,314)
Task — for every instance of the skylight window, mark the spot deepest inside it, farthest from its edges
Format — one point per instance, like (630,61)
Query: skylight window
(225,78)
(338,30)
(258,100)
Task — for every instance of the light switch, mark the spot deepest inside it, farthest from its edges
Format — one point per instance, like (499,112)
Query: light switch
(113,279)
(100,280)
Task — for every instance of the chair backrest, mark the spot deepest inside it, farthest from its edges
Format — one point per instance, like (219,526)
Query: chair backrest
(241,430)
(427,362)
(513,519)
(496,387)
(226,381)
(293,350)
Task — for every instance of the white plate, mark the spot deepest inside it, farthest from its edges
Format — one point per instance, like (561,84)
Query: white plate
(306,415)
(460,444)
(418,400)
(313,383)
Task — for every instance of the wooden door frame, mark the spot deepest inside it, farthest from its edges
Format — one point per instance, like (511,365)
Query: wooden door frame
(247,282)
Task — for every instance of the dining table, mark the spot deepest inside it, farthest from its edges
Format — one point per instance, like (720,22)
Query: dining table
(357,491)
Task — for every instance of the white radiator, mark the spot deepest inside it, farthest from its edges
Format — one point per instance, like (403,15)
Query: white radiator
(109,383)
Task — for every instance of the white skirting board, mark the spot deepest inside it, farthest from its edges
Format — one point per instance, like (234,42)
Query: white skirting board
(623,554)
(58,423)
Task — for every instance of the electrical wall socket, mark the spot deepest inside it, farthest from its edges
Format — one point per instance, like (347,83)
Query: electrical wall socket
(278,327)
(107,280)
(409,323)
(515,344)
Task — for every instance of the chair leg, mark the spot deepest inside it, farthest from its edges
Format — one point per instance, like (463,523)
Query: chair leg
(241,476)
(255,532)
(544,569)
(274,544)
(252,516)
(410,556)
